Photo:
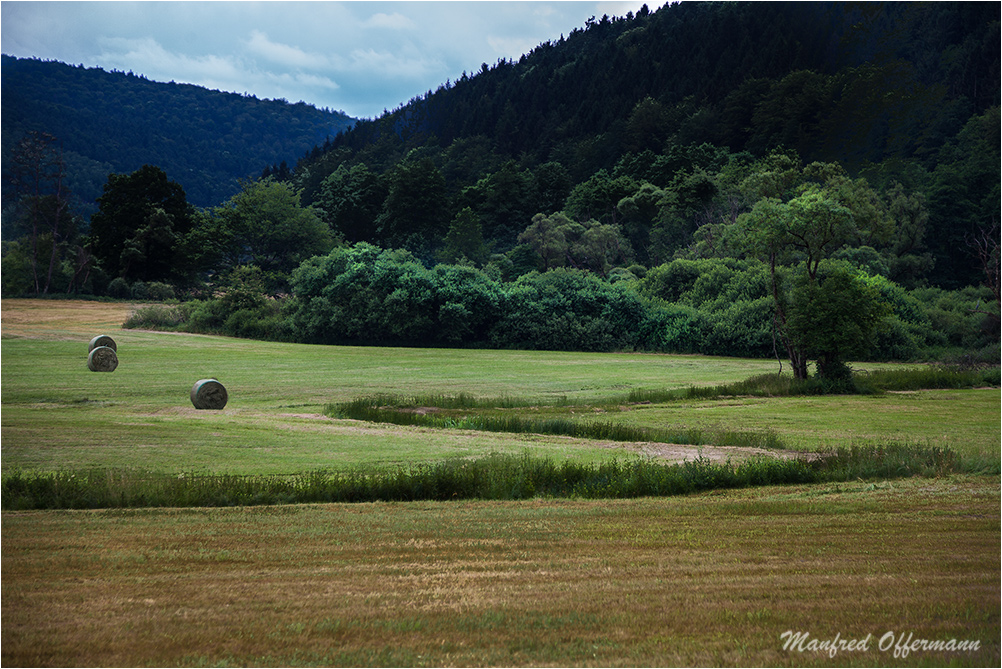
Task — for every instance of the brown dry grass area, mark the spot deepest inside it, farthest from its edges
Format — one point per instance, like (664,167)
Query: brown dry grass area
(61,319)
(707,580)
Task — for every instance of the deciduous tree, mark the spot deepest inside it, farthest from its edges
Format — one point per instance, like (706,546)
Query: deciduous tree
(350,201)
(142,213)
(268,228)
(39,179)
(829,212)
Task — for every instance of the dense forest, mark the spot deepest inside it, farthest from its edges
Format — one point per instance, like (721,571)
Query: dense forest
(815,181)
(117,122)
(884,89)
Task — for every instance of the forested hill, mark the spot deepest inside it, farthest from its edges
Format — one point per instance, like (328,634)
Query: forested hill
(848,81)
(890,91)
(108,122)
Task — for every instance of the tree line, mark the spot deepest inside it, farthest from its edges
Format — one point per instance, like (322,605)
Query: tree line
(639,221)
(802,263)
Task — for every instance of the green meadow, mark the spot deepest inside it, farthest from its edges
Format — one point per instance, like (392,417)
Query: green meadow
(59,415)
(710,578)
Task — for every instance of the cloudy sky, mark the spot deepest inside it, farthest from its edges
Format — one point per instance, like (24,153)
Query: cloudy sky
(357,57)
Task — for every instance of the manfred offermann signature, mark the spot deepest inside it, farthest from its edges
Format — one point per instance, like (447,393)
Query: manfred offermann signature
(901,645)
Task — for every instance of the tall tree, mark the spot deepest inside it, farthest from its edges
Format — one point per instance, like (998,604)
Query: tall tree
(137,228)
(505,201)
(351,199)
(465,240)
(562,242)
(599,196)
(829,212)
(832,316)
(416,203)
(269,229)
(39,179)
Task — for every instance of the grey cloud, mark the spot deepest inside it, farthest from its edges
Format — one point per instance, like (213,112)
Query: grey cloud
(360,57)
(283,54)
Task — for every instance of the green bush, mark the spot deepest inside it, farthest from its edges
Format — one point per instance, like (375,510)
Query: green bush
(159,317)
(468,304)
(673,328)
(956,322)
(139,291)
(161,292)
(119,288)
(264,322)
(743,329)
(207,316)
(568,310)
(732,297)
(362,294)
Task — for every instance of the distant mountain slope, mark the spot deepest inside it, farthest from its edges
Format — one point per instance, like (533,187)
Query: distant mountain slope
(116,122)
(854,82)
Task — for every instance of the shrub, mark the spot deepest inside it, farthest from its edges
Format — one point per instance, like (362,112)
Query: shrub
(207,316)
(568,310)
(743,329)
(119,288)
(672,328)
(159,317)
(953,322)
(621,274)
(732,298)
(468,303)
(140,291)
(160,292)
(265,322)
(638,271)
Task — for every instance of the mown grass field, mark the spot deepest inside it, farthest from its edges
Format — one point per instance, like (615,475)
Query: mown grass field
(59,415)
(709,579)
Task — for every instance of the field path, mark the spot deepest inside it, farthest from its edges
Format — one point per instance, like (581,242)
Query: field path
(682,453)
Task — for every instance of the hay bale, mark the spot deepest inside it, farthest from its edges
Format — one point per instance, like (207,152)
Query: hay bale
(102,340)
(208,394)
(102,359)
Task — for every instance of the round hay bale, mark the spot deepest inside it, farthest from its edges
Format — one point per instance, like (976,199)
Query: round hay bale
(102,340)
(208,394)
(102,359)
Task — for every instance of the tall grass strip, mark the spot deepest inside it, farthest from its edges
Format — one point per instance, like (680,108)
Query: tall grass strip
(387,409)
(495,477)
(862,383)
